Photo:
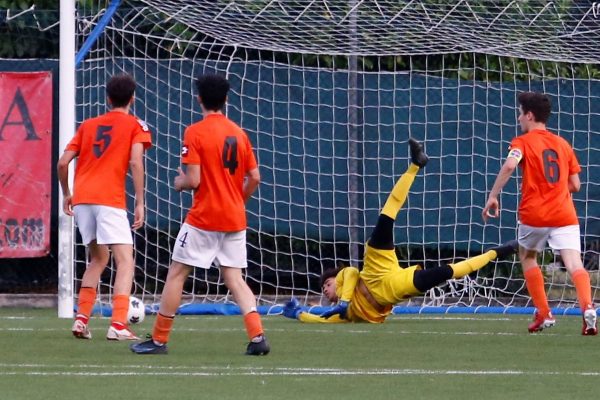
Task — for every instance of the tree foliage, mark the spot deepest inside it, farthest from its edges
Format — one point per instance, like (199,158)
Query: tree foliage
(35,34)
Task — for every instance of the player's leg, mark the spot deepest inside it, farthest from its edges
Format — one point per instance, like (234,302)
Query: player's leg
(98,259)
(85,218)
(567,240)
(123,258)
(193,248)
(383,233)
(113,230)
(232,258)
(170,301)
(398,195)
(429,278)
(531,241)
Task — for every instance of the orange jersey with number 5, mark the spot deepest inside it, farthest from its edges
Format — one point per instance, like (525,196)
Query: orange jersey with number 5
(547,161)
(103,145)
(225,155)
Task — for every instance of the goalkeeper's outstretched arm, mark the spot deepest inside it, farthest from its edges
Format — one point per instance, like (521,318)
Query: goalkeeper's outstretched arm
(305,316)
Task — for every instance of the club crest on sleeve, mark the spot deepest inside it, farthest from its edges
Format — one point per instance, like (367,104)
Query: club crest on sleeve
(516,153)
(143,125)
(184,151)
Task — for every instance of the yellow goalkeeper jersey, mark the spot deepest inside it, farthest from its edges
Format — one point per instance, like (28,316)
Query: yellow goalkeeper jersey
(360,309)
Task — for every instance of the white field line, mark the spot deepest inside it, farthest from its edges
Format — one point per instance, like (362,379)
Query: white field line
(309,331)
(187,371)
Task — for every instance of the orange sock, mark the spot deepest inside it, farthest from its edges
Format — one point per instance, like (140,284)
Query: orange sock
(87,298)
(535,286)
(581,280)
(162,328)
(253,324)
(120,308)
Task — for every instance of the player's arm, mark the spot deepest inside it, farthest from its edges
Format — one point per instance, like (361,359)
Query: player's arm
(62,168)
(347,279)
(251,183)
(188,179)
(292,309)
(492,207)
(136,166)
(574,183)
(307,317)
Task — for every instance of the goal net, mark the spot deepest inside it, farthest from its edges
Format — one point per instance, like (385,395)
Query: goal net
(329,93)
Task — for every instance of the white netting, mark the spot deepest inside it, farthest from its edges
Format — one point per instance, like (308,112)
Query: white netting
(330,132)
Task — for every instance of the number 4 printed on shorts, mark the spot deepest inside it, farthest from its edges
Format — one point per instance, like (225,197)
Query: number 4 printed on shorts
(183,239)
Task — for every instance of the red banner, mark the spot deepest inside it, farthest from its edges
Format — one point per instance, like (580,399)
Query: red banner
(25,163)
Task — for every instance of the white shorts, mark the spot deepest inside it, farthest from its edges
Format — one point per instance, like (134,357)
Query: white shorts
(559,238)
(199,248)
(106,225)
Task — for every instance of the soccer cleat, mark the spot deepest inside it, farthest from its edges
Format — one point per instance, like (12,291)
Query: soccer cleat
(589,322)
(120,334)
(258,348)
(148,347)
(507,249)
(417,154)
(540,323)
(80,330)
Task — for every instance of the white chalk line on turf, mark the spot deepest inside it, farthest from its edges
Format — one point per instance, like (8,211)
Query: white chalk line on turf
(314,330)
(187,371)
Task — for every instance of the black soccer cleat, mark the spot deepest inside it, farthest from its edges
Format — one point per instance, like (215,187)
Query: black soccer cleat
(261,348)
(148,347)
(507,249)
(417,154)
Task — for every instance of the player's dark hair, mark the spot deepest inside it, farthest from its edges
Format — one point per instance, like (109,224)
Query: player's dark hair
(212,90)
(538,104)
(329,273)
(120,89)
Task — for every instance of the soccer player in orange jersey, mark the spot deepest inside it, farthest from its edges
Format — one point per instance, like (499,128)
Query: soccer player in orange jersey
(222,170)
(546,211)
(369,295)
(105,147)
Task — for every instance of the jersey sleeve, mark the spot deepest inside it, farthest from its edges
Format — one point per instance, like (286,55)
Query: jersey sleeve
(142,134)
(189,153)
(515,149)
(346,281)
(75,143)
(312,318)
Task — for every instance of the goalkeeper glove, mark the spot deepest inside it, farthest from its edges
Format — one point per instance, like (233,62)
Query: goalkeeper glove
(292,309)
(340,308)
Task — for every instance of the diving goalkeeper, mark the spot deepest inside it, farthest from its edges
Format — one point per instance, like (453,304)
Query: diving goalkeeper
(369,295)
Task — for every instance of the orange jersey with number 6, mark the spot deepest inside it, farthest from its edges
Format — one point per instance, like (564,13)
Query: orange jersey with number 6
(547,161)
(103,145)
(225,155)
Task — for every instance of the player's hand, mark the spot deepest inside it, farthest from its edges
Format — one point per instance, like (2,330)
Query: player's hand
(292,309)
(491,209)
(68,205)
(340,308)
(179,182)
(138,216)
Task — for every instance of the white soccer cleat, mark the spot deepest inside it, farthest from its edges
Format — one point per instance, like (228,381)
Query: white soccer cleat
(80,330)
(589,322)
(120,334)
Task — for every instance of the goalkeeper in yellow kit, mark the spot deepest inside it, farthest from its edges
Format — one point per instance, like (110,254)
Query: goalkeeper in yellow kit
(369,295)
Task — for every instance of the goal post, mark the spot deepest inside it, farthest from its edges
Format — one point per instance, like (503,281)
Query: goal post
(329,92)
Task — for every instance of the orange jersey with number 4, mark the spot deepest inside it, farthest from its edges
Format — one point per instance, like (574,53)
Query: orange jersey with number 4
(547,161)
(103,145)
(225,155)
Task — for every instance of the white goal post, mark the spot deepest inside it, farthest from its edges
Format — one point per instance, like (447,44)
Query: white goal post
(329,92)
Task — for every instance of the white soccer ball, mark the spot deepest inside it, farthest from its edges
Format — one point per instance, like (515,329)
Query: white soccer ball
(136,312)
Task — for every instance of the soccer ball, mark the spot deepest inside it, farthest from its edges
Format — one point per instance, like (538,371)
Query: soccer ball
(136,312)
